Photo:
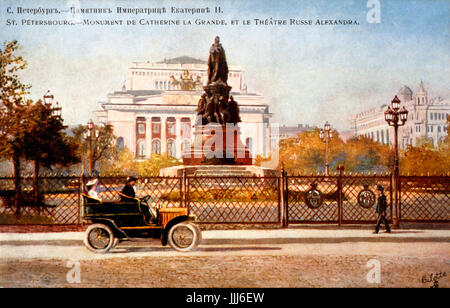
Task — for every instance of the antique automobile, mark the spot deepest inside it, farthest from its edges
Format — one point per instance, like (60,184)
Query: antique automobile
(114,222)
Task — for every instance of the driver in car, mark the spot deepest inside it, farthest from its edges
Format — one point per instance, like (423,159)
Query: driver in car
(128,193)
(128,190)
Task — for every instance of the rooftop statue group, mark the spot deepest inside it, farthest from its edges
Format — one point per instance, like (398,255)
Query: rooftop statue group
(216,105)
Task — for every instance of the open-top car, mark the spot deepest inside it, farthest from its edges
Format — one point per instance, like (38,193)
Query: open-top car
(113,222)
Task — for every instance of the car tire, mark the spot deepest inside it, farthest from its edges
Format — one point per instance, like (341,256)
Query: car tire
(99,238)
(184,236)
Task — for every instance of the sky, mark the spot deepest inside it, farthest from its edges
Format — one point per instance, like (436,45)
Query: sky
(308,74)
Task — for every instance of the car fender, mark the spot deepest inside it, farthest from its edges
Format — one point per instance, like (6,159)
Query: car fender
(110,223)
(169,225)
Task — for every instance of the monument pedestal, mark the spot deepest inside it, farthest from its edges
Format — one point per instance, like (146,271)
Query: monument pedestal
(217,144)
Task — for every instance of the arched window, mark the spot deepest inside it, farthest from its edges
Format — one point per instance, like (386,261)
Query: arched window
(140,151)
(156,146)
(185,146)
(120,143)
(171,150)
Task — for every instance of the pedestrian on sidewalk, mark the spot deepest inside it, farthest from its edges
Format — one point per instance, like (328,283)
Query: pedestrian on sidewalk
(381,210)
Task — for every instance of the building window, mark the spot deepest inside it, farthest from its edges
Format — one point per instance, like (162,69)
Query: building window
(120,144)
(382,137)
(431,116)
(140,151)
(171,150)
(156,126)
(185,145)
(156,146)
(185,128)
(141,128)
(171,131)
(439,129)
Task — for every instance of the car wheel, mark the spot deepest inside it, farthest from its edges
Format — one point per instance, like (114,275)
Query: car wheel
(99,238)
(184,236)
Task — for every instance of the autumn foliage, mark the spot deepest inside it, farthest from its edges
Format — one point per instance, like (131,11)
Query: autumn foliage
(305,154)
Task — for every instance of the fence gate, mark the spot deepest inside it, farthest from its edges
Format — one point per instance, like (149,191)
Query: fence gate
(312,199)
(335,199)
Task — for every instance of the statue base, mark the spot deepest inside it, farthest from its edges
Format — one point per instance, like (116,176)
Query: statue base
(217,144)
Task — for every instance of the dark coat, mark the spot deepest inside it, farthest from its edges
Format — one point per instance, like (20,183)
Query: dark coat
(128,190)
(381,204)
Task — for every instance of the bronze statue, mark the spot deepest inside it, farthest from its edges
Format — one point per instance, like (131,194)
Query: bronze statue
(215,105)
(217,63)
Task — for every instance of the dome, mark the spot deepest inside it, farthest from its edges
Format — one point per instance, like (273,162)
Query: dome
(405,90)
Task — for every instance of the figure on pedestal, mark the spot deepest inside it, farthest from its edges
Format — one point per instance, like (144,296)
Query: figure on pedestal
(217,63)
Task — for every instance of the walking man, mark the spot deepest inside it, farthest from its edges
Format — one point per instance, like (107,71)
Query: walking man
(381,210)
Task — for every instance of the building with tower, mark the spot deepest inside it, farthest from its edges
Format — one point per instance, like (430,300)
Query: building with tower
(426,119)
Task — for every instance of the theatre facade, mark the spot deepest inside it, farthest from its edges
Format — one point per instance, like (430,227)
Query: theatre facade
(155,111)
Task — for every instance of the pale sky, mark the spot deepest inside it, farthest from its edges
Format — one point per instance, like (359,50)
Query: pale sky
(308,74)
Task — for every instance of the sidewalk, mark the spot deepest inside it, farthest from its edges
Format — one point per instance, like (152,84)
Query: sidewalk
(291,241)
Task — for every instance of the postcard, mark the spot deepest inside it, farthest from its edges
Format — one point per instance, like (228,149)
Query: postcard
(224,151)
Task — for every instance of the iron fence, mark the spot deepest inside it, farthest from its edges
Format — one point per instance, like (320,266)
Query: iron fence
(286,199)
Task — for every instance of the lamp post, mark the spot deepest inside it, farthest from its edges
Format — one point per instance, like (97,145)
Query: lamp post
(91,136)
(396,117)
(48,99)
(326,135)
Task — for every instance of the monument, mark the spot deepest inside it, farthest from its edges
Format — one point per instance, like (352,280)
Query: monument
(216,133)
(216,147)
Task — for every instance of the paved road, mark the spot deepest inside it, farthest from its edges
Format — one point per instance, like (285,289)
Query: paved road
(292,241)
(294,257)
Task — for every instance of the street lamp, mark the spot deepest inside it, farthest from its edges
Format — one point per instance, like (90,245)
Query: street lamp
(326,135)
(48,99)
(91,135)
(396,117)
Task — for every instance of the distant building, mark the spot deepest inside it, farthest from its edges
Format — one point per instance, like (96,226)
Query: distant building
(156,109)
(426,118)
(292,131)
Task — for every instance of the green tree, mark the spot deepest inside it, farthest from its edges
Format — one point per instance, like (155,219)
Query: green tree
(45,141)
(101,143)
(14,108)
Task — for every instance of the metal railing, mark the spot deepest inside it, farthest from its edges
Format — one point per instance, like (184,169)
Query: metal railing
(287,199)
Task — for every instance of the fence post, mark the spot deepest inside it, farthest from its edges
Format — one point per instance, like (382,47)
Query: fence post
(284,198)
(80,191)
(184,192)
(340,189)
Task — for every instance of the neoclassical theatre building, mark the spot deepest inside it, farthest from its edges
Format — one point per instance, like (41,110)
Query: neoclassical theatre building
(426,118)
(155,110)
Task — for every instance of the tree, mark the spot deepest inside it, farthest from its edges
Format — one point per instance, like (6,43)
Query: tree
(306,154)
(100,146)
(14,108)
(45,142)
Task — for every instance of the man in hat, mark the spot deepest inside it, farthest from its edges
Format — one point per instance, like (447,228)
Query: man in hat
(381,210)
(128,189)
